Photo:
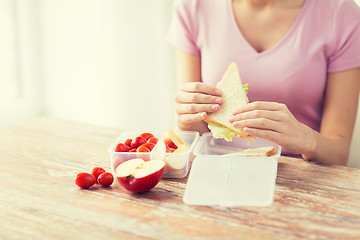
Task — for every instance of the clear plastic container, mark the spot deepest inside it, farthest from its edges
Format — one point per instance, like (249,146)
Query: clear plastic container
(176,164)
(217,178)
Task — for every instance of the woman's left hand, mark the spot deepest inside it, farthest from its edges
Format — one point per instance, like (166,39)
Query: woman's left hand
(275,122)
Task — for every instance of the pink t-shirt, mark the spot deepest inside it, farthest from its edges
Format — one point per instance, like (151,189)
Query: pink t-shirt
(324,38)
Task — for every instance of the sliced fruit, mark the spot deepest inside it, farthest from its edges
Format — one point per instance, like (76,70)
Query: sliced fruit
(136,175)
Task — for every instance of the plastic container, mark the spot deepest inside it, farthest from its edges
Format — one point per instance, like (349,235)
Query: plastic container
(219,179)
(176,164)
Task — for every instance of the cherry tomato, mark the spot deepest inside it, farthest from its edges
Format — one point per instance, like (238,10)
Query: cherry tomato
(132,150)
(146,135)
(122,148)
(106,179)
(142,149)
(172,149)
(85,180)
(96,171)
(148,145)
(153,140)
(128,142)
(138,141)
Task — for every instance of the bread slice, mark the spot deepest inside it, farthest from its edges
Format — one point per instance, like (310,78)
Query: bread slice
(255,152)
(233,97)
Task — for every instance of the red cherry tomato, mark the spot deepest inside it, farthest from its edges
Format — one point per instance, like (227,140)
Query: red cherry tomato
(172,149)
(122,148)
(153,140)
(138,141)
(148,145)
(85,180)
(128,142)
(132,150)
(96,171)
(146,135)
(106,179)
(142,149)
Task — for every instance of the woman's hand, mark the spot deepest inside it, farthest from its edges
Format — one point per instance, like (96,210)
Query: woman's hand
(274,121)
(194,101)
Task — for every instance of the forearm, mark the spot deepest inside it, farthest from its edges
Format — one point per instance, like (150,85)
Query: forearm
(329,150)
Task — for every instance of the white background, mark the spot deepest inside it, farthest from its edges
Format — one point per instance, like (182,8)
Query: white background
(103,62)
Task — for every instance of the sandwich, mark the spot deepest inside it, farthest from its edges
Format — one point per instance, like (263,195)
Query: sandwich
(255,152)
(234,96)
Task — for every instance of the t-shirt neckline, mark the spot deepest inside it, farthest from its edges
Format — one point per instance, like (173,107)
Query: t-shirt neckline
(279,43)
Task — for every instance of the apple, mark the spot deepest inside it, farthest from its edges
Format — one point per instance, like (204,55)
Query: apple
(136,175)
(172,140)
(160,150)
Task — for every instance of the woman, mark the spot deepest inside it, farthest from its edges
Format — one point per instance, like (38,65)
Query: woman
(301,59)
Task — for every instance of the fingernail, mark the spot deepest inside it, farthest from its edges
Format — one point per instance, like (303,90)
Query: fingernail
(246,129)
(214,107)
(218,92)
(203,114)
(219,100)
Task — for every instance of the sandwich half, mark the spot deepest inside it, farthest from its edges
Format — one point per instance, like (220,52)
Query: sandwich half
(255,152)
(234,96)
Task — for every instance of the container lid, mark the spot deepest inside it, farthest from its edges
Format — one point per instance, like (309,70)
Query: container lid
(231,181)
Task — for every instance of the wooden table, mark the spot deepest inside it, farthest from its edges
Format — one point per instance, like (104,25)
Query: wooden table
(40,158)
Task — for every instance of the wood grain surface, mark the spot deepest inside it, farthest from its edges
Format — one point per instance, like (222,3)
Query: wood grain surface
(40,158)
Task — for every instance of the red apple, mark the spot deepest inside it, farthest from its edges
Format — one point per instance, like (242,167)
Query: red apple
(136,175)
(170,143)
(161,147)
(176,162)
(173,140)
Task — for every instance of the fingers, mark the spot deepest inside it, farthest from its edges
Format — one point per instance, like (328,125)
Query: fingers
(261,124)
(262,115)
(259,105)
(195,100)
(198,92)
(199,87)
(265,134)
(185,119)
(196,108)
(192,97)
(257,114)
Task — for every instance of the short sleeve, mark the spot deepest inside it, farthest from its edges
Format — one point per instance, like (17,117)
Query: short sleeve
(183,30)
(346,53)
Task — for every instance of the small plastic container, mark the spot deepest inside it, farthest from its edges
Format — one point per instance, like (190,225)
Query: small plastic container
(216,178)
(176,164)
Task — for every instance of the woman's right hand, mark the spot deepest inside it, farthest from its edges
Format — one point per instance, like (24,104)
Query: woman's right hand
(194,101)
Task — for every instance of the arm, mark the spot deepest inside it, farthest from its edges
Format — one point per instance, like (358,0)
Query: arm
(332,145)
(273,121)
(194,98)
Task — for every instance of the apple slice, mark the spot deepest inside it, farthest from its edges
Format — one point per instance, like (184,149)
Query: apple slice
(136,175)
(159,150)
(182,148)
(172,140)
